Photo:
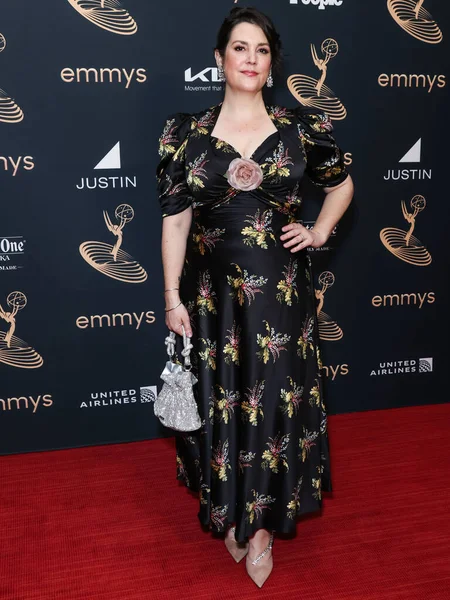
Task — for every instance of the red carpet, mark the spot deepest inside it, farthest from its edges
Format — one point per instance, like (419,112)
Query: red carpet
(112,523)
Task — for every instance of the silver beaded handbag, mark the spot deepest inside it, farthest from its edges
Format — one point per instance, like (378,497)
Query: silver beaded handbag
(175,404)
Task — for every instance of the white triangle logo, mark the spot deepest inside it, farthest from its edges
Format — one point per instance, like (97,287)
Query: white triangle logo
(110,160)
(413,154)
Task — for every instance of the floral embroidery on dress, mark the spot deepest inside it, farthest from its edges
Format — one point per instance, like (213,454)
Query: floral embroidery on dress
(294,505)
(245,285)
(305,341)
(232,348)
(321,123)
(317,484)
(252,406)
(223,145)
(276,453)
(207,238)
(291,399)
(288,285)
(276,165)
(260,228)
(206,296)
(201,126)
(291,204)
(307,442)
(209,354)
(255,508)
(181,471)
(180,154)
(245,459)
(280,115)
(271,344)
(197,172)
(174,188)
(314,395)
(219,516)
(220,461)
(168,139)
(204,493)
(222,408)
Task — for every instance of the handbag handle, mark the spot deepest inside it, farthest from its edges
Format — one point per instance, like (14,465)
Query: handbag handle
(187,347)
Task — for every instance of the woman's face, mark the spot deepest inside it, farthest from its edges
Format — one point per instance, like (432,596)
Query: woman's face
(247,58)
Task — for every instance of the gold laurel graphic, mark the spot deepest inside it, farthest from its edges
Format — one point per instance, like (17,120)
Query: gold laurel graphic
(14,351)
(403,244)
(107,14)
(313,92)
(112,261)
(10,112)
(415,20)
(329,330)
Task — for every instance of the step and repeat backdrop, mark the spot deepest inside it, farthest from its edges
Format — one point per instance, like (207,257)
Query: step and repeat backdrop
(85,87)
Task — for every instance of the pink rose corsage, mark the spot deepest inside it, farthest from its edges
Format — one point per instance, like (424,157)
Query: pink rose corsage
(244,174)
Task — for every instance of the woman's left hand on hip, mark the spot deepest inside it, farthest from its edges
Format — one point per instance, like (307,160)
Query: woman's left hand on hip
(296,237)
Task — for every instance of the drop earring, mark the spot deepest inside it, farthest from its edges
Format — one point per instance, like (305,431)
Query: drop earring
(220,73)
(269,81)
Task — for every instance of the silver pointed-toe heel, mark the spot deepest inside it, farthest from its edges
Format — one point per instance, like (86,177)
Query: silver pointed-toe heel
(259,572)
(237,550)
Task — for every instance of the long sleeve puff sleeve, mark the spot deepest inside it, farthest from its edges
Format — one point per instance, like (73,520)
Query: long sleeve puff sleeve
(324,159)
(173,192)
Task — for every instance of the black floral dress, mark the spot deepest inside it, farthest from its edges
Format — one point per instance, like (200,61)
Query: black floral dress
(261,456)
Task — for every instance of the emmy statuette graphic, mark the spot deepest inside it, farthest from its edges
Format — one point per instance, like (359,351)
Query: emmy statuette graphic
(107,14)
(329,330)
(415,20)
(112,260)
(313,92)
(403,244)
(14,351)
(10,112)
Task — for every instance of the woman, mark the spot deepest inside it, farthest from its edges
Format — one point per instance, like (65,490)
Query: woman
(238,278)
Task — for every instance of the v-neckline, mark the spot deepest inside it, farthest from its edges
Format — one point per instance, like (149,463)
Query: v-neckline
(217,110)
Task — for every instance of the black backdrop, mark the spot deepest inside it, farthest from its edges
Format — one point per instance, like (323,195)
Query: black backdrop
(84,96)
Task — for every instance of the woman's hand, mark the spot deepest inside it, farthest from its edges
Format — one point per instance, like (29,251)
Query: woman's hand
(177,318)
(296,237)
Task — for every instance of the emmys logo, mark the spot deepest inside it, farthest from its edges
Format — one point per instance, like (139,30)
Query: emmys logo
(401,367)
(110,161)
(10,248)
(107,14)
(321,4)
(116,320)
(10,112)
(120,397)
(412,156)
(403,244)
(412,80)
(333,371)
(329,330)
(314,92)
(112,261)
(102,75)
(415,20)
(12,165)
(14,351)
(404,299)
(27,402)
